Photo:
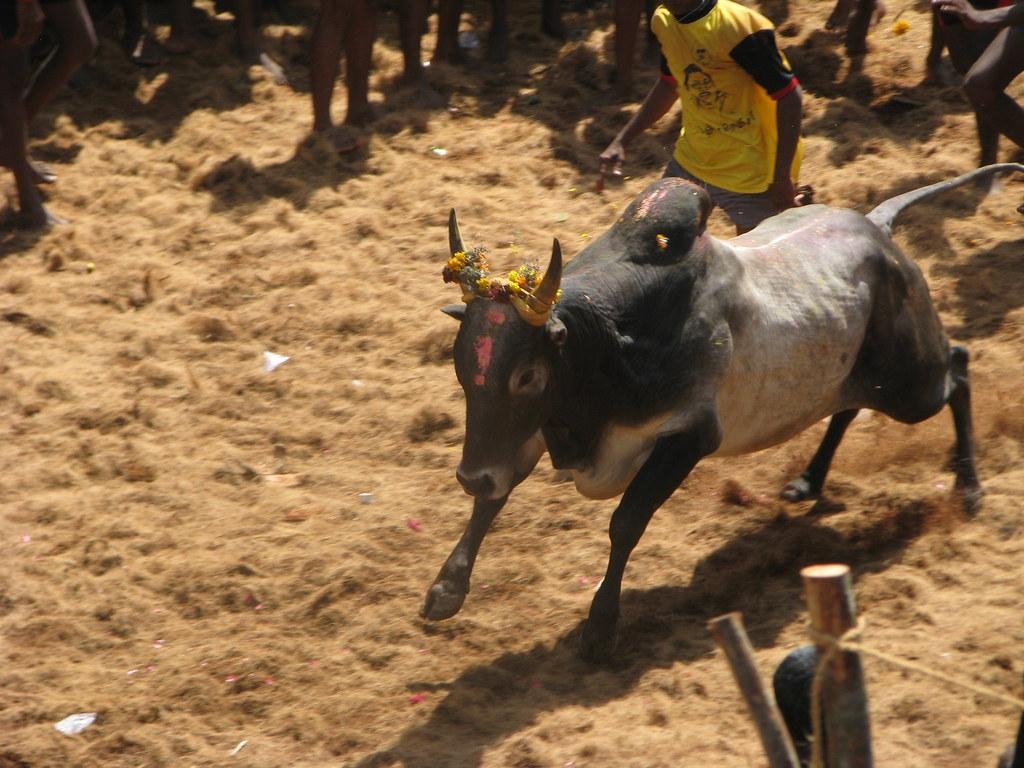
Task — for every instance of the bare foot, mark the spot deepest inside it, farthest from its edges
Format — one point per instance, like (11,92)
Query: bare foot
(35,215)
(345,140)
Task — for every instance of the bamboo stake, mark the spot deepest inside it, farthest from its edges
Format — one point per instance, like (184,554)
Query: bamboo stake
(731,637)
(841,698)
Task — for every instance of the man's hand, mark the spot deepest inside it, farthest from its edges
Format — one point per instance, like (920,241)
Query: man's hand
(968,13)
(30,22)
(612,159)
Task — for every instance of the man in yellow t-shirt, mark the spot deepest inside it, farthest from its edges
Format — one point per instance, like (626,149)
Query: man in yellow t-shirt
(741,108)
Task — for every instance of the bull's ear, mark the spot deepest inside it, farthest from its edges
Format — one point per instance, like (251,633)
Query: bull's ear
(557,331)
(458,311)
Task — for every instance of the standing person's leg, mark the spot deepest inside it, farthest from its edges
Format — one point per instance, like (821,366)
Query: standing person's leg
(14,71)
(247,38)
(359,37)
(324,58)
(412,18)
(965,47)
(986,82)
(180,40)
(137,42)
(76,44)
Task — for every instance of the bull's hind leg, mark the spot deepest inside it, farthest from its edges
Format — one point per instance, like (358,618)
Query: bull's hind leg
(967,484)
(811,480)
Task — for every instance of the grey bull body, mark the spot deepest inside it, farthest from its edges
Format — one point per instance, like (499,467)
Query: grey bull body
(659,345)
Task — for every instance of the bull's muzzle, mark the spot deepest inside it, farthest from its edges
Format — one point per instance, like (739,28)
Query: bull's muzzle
(480,484)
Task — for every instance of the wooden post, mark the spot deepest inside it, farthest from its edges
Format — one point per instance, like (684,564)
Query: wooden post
(732,639)
(843,700)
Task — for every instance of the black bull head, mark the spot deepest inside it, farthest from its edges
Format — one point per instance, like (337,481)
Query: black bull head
(503,367)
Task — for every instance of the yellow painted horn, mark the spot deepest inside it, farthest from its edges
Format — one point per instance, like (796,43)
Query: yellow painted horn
(535,308)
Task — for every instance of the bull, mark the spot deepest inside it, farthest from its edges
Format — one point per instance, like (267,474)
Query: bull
(659,345)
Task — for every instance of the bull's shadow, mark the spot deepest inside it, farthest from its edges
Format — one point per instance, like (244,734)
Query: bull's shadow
(755,572)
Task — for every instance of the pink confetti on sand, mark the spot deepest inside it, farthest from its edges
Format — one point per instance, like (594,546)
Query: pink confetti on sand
(414,525)
(416,698)
(231,679)
(314,663)
(25,538)
(158,643)
(268,681)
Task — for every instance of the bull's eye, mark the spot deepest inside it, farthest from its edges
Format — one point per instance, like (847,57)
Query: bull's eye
(528,380)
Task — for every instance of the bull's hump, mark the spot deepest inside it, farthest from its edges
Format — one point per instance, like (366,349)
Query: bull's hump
(662,224)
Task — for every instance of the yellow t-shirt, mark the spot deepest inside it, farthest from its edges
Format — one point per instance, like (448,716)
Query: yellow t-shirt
(729,132)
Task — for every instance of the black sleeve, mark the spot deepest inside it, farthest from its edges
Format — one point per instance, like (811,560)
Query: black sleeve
(760,57)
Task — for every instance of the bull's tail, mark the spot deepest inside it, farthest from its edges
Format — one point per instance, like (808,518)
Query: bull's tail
(884,214)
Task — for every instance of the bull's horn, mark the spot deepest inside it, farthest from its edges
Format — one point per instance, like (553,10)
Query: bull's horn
(547,291)
(454,235)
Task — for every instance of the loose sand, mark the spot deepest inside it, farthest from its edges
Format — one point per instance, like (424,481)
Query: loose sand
(184,547)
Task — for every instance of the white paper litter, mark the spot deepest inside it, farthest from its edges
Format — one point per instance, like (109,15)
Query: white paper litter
(271,361)
(76,723)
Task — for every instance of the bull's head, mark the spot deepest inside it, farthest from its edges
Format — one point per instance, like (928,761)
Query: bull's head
(503,359)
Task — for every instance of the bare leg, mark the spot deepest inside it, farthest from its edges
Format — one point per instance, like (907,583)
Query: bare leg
(627,18)
(986,82)
(324,55)
(449,13)
(77,42)
(359,37)
(966,47)
(180,39)
(412,15)
(13,135)
(247,38)
(137,42)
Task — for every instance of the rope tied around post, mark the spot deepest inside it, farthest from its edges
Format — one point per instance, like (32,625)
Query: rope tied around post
(851,641)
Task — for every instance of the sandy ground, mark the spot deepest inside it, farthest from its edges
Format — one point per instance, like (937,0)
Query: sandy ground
(226,564)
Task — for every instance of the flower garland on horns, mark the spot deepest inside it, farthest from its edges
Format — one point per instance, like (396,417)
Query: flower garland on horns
(470,269)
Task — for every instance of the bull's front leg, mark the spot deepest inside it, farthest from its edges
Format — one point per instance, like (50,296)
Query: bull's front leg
(448,592)
(665,469)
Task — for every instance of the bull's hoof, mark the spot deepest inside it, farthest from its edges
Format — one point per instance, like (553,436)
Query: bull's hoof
(799,490)
(598,646)
(443,601)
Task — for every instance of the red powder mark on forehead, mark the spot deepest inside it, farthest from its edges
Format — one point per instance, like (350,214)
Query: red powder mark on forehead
(484,347)
(495,317)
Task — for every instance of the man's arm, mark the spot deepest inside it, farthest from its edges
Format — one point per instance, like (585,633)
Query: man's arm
(788,115)
(656,104)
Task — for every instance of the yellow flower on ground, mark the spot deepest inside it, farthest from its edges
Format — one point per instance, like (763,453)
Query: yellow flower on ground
(900,27)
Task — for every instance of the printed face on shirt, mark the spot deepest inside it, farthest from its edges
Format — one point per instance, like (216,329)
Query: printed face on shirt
(701,87)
